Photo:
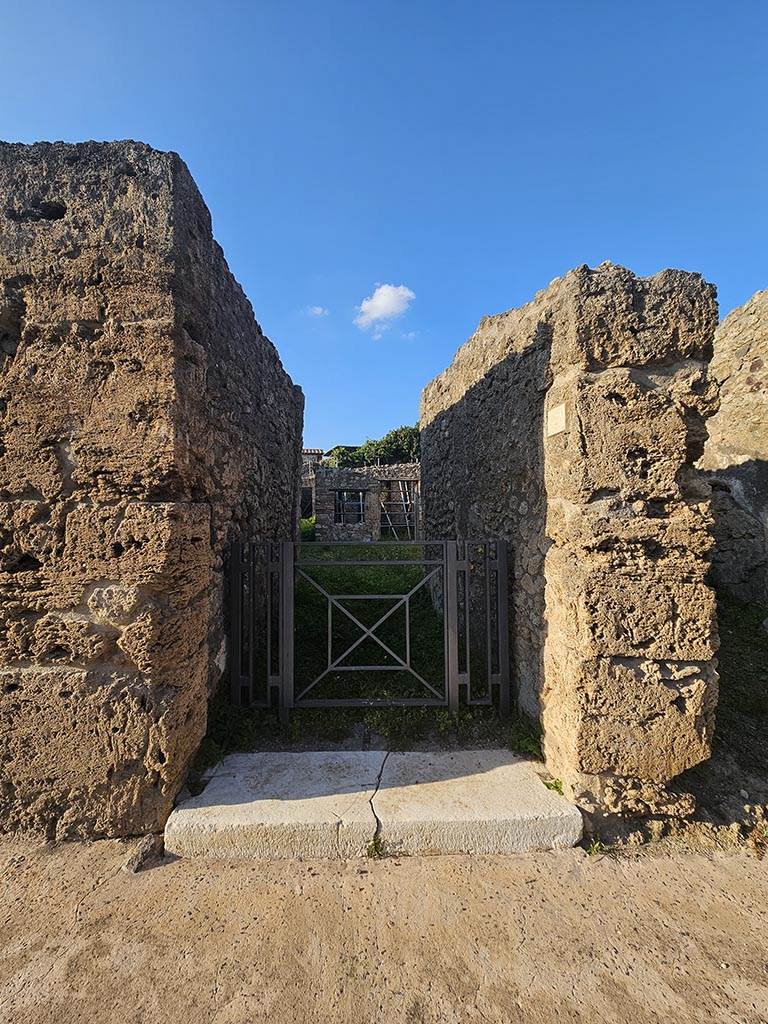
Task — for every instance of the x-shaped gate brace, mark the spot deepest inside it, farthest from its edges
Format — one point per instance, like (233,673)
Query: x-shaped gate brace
(334,601)
(263,574)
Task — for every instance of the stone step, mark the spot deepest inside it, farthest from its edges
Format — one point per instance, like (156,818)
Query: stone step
(343,804)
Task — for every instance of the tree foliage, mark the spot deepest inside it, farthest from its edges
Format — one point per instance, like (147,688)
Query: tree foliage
(399,445)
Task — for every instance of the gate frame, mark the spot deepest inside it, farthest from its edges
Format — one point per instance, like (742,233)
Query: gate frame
(281,568)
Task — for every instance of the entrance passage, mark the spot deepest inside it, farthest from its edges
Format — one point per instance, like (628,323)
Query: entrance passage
(359,625)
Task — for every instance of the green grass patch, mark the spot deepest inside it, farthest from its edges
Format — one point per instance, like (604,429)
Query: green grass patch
(743,658)
(369,593)
(556,785)
(307,529)
(525,737)
(234,729)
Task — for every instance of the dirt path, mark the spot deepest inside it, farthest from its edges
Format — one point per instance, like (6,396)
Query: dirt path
(546,938)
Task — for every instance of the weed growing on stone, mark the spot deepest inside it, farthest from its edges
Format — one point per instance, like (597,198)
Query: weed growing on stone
(596,846)
(555,785)
(524,737)
(375,848)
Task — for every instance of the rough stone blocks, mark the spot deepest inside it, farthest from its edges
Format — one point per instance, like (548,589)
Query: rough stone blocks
(144,419)
(572,426)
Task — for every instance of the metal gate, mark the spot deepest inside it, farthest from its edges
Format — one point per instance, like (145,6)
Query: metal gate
(358,625)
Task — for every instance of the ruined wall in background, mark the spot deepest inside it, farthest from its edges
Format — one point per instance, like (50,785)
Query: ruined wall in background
(736,454)
(144,419)
(571,427)
(330,479)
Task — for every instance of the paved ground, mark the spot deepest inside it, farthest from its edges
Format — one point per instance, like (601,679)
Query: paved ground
(340,804)
(556,937)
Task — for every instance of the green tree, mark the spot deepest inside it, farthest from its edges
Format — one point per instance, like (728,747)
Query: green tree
(399,445)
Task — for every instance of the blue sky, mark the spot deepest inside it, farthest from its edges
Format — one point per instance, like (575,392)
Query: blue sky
(464,153)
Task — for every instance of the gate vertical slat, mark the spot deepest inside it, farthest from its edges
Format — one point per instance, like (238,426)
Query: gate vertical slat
(287,586)
(251,570)
(464,566)
(235,620)
(502,611)
(452,624)
(488,570)
(268,603)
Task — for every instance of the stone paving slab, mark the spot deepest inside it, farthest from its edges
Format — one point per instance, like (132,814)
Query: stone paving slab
(470,801)
(333,804)
(280,806)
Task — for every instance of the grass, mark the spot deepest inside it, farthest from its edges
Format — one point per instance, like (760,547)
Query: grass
(596,846)
(743,658)
(525,737)
(307,529)
(233,729)
(556,785)
(375,848)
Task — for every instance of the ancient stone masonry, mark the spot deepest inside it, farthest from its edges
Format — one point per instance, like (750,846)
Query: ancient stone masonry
(736,454)
(571,426)
(381,502)
(144,420)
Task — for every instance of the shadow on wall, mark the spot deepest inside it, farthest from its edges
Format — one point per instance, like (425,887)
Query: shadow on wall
(489,448)
(740,557)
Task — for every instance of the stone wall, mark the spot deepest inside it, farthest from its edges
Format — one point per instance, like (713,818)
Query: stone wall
(482,466)
(570,427)
(330,479)
(144,420)
(736,453)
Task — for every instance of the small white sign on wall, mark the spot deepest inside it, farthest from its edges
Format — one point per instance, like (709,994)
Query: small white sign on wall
(556,420)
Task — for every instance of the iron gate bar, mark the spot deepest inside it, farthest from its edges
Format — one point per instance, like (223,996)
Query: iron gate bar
(328,563)
(282,565)
(287,554)
(462,570)
(451,627)
(502,611)
(403,600)
(235,617)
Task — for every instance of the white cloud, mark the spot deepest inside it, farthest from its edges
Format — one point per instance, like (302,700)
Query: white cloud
(411,335)
(317,311)
(388,302)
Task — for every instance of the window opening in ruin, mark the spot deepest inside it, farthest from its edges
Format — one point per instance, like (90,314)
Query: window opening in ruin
(349,507)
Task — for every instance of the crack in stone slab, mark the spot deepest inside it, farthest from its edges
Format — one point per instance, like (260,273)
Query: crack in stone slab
(377,829)
(377,821)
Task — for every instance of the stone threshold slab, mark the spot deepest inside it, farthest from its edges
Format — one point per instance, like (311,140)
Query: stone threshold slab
(344,804)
